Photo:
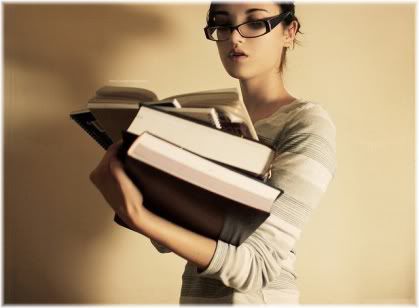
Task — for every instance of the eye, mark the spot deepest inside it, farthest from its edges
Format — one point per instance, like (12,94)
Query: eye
(220,20)
(252,20)
(223,29)
(256,25)
(256,17)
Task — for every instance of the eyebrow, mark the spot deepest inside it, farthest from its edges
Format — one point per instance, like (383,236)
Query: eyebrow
(247,11)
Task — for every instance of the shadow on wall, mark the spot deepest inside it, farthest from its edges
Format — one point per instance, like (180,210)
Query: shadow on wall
(64,38)
(49,233)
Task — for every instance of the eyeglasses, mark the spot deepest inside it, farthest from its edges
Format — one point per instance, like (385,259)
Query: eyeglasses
(248,29)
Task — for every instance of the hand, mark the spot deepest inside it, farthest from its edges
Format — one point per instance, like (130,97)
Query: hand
(117,188)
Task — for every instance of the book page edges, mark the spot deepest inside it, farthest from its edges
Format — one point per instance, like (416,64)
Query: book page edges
(261,194)
(139,125)
(133,92)
(228,93)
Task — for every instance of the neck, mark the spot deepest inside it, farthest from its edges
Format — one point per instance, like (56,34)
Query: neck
(264,92)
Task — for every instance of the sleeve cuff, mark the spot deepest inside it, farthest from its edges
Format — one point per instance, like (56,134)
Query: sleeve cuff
(217,260)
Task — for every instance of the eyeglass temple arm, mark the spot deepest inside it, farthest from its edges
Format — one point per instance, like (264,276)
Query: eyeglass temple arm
(275,21)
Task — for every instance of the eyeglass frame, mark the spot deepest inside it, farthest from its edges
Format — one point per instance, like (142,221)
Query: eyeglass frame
(269,26)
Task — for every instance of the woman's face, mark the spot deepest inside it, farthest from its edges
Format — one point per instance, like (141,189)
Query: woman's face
(263,53)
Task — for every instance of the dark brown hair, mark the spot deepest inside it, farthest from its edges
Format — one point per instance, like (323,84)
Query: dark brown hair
(284,7)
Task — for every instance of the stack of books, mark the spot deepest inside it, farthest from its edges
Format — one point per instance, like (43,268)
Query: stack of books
(188,152)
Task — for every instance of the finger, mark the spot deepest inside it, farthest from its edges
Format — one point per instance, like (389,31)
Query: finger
(103,167)
(120,175)
(131,192)
(117,170)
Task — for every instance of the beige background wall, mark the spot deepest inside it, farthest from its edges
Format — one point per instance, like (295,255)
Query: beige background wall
(61,245)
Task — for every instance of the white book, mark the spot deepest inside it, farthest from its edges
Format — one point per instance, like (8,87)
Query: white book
(201,172)
(208,142)
(205,115)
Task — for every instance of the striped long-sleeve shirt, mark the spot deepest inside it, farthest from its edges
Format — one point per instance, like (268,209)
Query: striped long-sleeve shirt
(262,269)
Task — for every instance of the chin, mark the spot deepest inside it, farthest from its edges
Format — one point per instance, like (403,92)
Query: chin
(244,71)
(239,73)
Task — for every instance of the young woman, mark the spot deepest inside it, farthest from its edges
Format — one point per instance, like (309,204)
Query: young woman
(252,41)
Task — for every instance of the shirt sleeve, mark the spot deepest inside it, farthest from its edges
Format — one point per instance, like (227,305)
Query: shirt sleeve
(304,166)
(160,248)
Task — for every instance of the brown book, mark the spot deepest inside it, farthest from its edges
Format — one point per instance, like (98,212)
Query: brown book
(194,192)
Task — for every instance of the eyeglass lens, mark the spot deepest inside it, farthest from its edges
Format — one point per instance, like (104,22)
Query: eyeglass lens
(251,29)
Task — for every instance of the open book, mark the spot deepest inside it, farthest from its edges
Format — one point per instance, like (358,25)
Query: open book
(115,108)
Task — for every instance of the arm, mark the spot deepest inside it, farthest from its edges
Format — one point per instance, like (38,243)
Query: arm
(189,245)
(304,167)
(126,200)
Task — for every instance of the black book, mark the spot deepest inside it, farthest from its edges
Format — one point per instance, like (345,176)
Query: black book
(86,120)
(182,199)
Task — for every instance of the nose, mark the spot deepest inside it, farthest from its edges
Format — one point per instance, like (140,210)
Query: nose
(236,37)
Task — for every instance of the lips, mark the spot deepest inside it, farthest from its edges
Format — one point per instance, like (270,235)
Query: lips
(237,54)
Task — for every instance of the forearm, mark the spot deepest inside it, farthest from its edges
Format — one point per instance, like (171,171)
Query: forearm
(189,245)
(127,201)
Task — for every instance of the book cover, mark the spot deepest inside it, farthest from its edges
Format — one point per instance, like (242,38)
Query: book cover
(86,120)
(189,205)
(246,154)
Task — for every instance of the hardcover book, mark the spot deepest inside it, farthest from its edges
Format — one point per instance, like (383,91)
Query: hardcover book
(188,189)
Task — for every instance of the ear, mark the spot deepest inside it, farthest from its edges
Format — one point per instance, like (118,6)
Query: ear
(289,34)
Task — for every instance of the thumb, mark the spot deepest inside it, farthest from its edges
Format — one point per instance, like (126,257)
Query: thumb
(118,172)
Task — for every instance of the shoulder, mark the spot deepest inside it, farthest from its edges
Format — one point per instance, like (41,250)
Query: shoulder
(309,132)
(302,117)
(272,128)
(309,117)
